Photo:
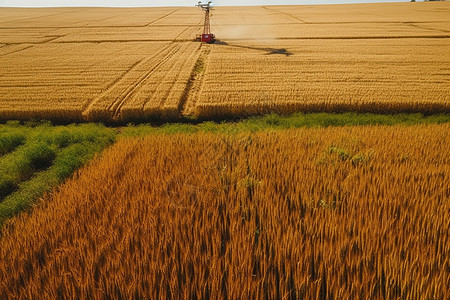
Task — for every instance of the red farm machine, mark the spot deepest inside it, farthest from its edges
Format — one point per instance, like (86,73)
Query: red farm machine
(207,36)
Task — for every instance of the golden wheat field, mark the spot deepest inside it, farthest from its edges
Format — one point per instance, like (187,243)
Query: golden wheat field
(105,64)
(327,213)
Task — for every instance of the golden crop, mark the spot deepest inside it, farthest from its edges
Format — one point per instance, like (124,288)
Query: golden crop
(368,75)
(128,64)
(342,213)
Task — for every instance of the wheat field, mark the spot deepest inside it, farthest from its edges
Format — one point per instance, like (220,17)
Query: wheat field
(338,212)
(105,64)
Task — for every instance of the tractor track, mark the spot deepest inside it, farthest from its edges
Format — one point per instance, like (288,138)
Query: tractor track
(195,83)
(160,18)
(186,29)
(180,70)
(284,13)
(426,28)
(89,107)
(116,106)
(30,45)
(15,51)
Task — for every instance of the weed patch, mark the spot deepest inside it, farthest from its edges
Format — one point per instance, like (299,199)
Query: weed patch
(39,156)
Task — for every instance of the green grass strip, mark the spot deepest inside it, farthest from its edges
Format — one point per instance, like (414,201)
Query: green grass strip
(273,121)
(48,155)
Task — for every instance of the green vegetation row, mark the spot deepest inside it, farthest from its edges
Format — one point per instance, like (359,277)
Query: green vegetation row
(34,158)
(297,120)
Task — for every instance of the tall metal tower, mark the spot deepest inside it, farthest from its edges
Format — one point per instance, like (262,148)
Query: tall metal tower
(207,36)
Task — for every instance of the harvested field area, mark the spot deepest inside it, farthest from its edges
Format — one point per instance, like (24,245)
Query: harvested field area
(342,213)
(105,64)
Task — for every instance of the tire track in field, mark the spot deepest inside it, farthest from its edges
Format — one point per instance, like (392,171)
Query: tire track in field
(116,106)
(115,82)
(194,28)
(15,51)
(87,110)
(426,28)
(180,68)
(160,18)
(284,13)
(129,15)
(196,82)
(166,75)
(31,45)
(178,76)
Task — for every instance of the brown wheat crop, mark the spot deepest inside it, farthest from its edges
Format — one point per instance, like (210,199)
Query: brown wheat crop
(342,213)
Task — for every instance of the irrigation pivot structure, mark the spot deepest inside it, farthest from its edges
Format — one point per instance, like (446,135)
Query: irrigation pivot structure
(207,36)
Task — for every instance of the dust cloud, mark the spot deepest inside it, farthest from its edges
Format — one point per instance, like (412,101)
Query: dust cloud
(244,32)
